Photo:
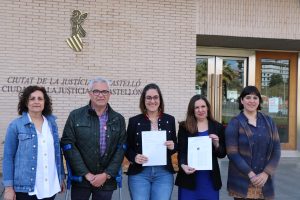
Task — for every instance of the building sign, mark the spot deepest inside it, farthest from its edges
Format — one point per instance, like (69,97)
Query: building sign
(69,86)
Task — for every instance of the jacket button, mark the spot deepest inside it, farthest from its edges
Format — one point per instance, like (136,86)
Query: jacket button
(137,144)
(137,133)
(34,146)
(32,168)
(138,123)
(167,122)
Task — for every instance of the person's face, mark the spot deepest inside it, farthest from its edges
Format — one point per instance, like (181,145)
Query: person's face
(250,102)
(99,95)
(36,102)
(200,109)
(152,100)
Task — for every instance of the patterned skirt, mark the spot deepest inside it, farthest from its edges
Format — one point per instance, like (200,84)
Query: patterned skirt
(253,193)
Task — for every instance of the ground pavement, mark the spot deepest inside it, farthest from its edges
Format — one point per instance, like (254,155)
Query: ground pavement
(287,182)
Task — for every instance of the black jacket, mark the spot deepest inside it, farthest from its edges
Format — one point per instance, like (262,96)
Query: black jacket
(140,123)
(189,181)
(82,133)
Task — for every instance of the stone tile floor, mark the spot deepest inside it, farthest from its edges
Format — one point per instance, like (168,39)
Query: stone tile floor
(287,182)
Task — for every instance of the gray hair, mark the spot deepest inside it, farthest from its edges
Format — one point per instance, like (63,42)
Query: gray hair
(97,80)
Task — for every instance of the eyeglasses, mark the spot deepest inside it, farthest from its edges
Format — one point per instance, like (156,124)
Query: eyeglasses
(98,92)
(149,98)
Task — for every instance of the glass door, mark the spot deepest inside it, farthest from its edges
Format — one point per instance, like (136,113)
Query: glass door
(221,79)
(276,77)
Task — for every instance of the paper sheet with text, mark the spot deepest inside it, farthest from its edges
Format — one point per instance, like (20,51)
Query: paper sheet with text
(153,147)
(200,153)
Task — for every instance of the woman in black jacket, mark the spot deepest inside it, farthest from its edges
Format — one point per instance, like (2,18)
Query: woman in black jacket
(150,182)
(204,184)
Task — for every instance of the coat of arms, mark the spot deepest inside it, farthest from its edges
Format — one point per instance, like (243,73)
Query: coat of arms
(78,32)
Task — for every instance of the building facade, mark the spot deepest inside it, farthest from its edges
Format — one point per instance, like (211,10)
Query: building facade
(170,42)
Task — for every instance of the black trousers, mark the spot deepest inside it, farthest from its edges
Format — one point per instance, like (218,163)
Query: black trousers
(84,193)
(26,196)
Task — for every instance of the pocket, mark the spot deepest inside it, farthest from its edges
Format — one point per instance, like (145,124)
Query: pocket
(24,136)
(82,124)
(115,128)
(25,141)
(82,129)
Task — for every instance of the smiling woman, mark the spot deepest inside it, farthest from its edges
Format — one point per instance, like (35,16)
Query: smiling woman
(143,183)
(253,149)
(204,184)
(27,172)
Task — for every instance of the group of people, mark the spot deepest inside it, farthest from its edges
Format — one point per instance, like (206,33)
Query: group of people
(95,141)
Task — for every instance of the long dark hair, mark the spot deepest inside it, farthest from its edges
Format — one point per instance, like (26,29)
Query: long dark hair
(161,107)
(190,122)
(249,90)
(24,97)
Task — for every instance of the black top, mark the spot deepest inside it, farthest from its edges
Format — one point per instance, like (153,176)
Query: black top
(140,123)
(189,181)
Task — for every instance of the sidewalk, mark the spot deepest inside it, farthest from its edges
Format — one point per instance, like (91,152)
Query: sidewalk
(287,182)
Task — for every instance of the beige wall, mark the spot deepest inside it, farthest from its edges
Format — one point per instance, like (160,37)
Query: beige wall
(130,42)
(249,18)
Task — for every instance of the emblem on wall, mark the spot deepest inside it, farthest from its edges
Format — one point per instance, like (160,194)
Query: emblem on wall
(75,41)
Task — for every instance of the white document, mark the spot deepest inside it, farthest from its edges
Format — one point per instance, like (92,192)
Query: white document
(153,147)
(200,153)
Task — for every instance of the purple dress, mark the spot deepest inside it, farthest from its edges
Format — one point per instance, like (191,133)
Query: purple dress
(204,185)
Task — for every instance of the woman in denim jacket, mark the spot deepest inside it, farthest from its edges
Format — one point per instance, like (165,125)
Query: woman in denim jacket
(32,164)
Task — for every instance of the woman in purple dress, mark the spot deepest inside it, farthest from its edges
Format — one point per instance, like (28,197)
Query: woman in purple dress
(199,184)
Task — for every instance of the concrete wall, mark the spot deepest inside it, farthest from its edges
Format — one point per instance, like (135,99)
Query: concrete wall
(255,18)
(131,42)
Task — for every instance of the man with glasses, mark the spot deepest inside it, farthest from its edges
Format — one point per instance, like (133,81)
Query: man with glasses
(93,140)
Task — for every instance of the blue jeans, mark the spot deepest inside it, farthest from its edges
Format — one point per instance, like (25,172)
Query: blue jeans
(153,183)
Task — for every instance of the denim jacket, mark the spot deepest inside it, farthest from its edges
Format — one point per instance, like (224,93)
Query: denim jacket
(20,153)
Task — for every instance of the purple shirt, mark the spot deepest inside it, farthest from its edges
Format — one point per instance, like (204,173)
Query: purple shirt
(102,123)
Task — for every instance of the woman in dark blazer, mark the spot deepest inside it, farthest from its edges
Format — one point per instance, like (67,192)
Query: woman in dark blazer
(150,182)
(204,184)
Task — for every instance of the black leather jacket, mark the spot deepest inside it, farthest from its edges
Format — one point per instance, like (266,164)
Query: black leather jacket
(82,133)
